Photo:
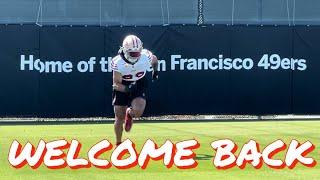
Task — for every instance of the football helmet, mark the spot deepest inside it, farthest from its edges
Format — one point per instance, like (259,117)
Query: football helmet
(132,47)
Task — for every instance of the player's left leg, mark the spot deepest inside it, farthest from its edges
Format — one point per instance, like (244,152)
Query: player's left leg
(136,110)
(137,107)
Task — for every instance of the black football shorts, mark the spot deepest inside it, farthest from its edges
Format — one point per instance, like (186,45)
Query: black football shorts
(124,99)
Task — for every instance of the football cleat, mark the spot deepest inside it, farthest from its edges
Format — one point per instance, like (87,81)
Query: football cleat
(128,121)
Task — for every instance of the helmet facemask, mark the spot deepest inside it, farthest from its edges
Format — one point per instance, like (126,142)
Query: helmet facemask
(132,55)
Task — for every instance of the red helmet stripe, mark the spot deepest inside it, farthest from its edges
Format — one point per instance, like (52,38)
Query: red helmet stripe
(137,42)
(133,42)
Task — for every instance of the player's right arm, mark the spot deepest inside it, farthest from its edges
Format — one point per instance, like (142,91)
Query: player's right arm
(118,86)
(117,76)
(117,82)
(117,79)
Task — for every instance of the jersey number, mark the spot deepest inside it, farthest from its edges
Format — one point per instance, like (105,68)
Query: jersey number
(130,76)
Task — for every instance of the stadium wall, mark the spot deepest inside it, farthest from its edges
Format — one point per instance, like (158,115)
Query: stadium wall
(64,71)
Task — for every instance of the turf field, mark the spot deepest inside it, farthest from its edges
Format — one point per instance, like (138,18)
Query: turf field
(205,132)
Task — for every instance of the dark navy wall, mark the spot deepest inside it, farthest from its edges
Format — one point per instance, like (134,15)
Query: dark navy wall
(254,91)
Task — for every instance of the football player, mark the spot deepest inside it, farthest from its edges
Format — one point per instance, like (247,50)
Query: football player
(129,82)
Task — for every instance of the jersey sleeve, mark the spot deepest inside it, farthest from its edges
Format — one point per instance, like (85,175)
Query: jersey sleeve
(148,54)
(114,64)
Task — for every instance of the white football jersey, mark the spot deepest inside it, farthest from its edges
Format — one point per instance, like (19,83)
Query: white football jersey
(131,72)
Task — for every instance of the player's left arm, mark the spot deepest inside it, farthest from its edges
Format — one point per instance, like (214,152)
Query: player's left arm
(154,65)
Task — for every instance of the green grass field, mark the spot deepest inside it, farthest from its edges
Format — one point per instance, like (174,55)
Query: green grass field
(205,132)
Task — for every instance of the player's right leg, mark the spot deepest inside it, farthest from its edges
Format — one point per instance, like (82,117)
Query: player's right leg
(120,103)
(120,113)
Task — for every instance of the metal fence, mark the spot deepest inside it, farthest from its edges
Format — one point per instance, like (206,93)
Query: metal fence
(159,12)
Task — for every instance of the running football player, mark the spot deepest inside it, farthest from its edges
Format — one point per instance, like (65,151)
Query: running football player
(129,82)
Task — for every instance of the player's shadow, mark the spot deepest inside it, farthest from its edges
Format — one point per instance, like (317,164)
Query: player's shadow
(203,157)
